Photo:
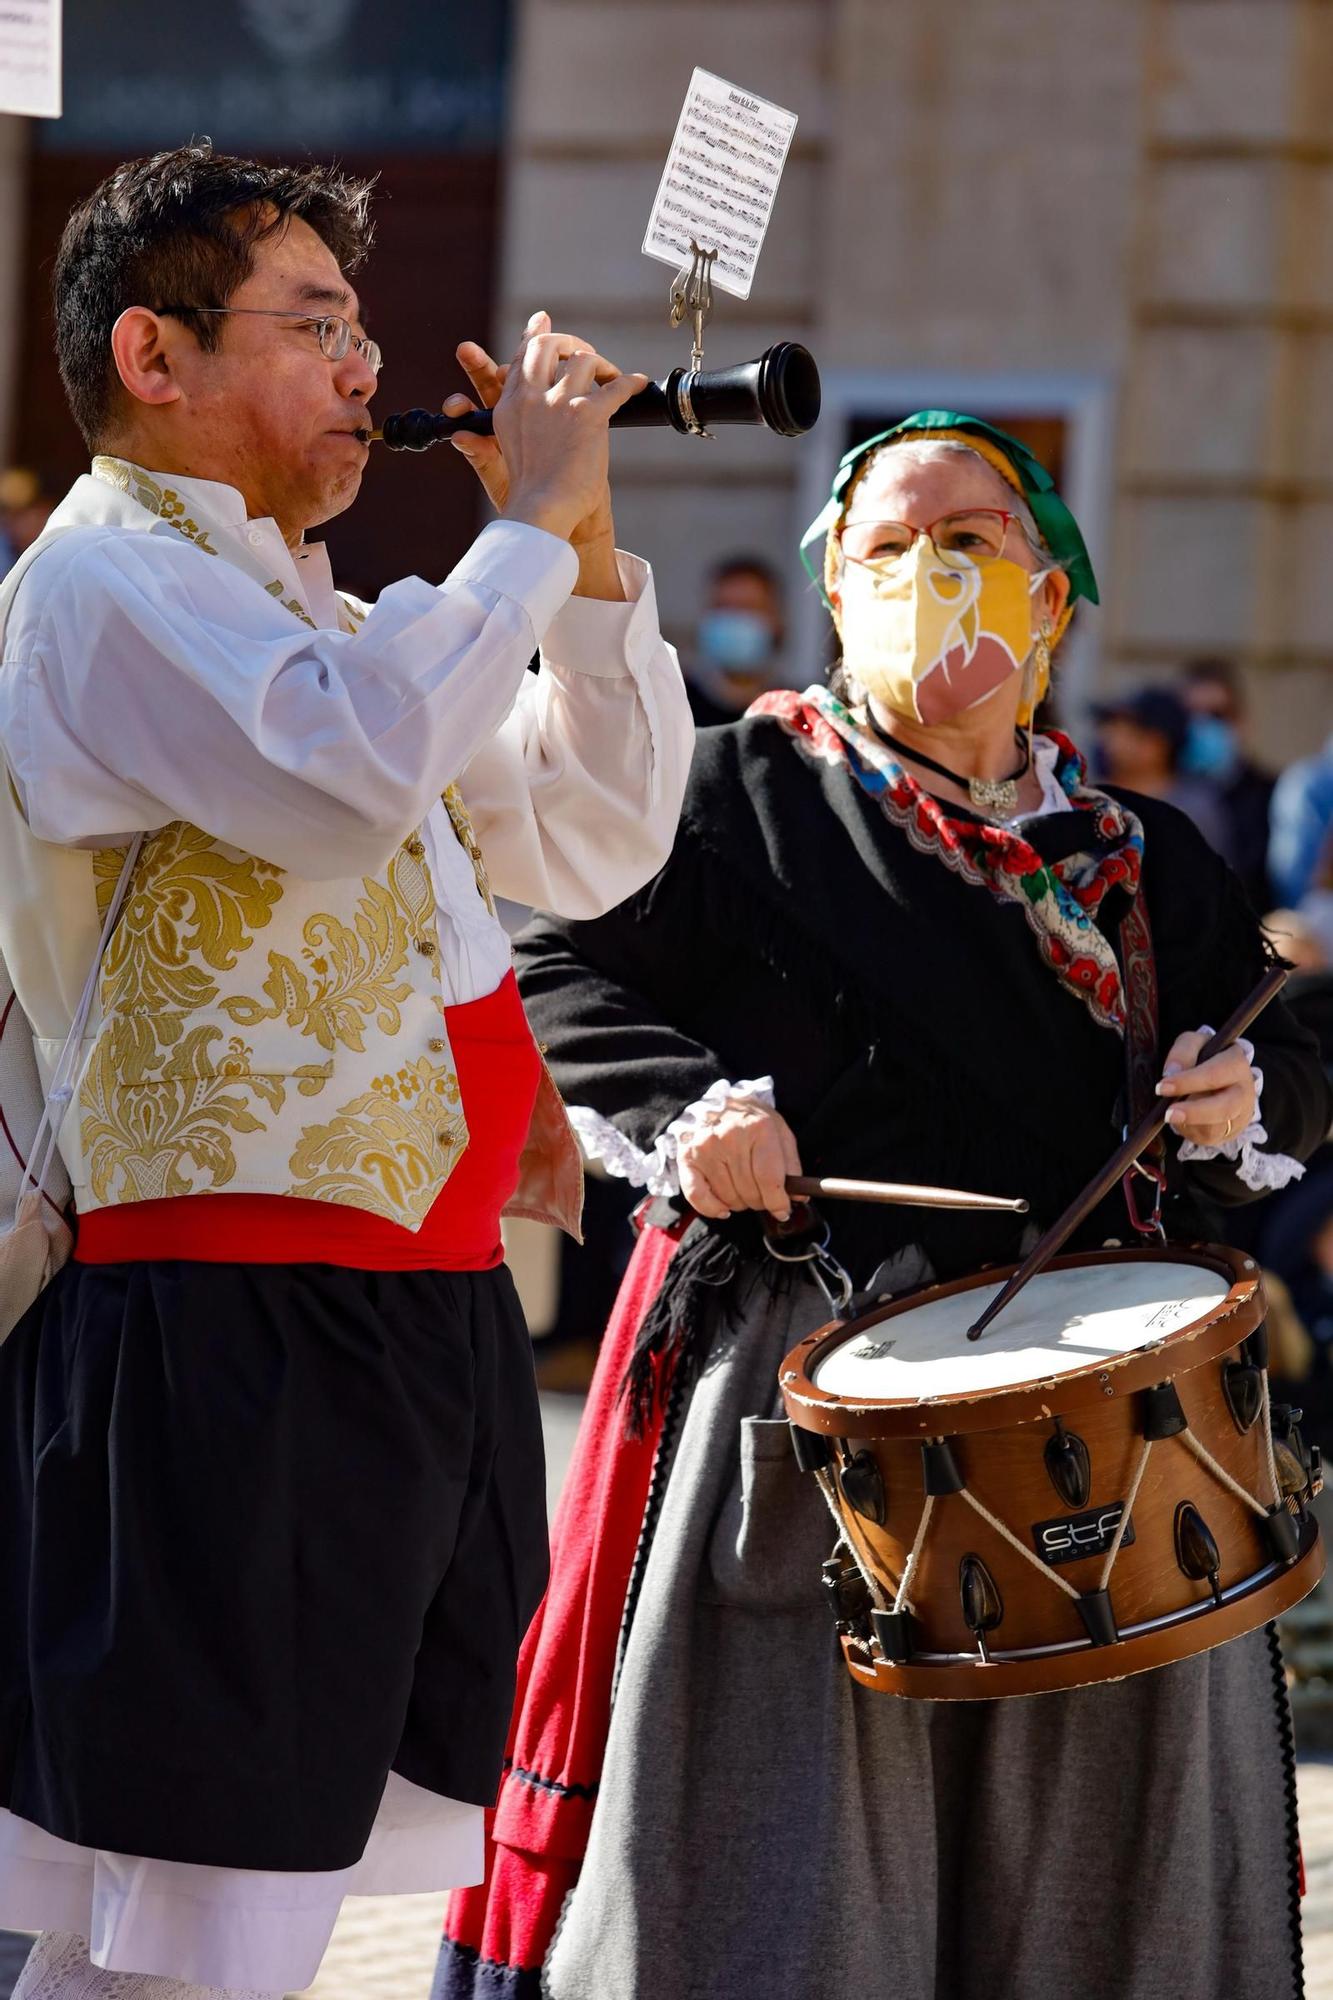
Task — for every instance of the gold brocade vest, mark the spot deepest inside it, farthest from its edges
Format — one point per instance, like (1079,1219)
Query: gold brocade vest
(254,1032)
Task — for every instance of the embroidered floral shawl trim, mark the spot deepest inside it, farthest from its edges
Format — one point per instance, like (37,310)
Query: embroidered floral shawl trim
(1060,900)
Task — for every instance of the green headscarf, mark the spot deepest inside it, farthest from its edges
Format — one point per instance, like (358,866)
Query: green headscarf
(1026,474)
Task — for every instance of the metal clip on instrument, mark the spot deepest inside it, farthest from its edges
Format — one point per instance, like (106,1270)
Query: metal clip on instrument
(692,293)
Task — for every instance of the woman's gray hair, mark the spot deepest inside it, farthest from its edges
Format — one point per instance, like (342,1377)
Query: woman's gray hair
(925,447)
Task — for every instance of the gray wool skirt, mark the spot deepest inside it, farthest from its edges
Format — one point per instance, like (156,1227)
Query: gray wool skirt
(767,1830)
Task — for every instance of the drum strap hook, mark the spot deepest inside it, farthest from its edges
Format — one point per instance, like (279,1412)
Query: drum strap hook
(1151,1223)
(827,1272)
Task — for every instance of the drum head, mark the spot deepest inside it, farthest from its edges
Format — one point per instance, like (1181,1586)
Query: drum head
(1081,1316)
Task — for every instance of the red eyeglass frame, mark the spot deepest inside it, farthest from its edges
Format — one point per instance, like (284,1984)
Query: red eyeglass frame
(955,514)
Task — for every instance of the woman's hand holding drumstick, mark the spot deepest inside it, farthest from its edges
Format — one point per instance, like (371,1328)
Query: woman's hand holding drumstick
(743,1155)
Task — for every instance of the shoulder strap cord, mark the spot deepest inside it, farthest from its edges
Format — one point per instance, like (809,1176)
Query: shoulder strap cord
(1138,971)
(46,1138)
(37,1167)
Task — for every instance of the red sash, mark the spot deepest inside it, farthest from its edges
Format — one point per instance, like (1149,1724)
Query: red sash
(498,1073)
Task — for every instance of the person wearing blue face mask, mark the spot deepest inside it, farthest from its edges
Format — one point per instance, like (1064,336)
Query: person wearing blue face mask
(1215,750)
(737,640)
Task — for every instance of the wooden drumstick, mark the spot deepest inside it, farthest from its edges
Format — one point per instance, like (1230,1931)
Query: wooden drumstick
(1120,1163)
(811,1187)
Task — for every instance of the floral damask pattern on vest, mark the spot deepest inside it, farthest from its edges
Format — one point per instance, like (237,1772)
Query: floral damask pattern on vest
(175,1101)
(352,972)
(205,903)
(403,1136)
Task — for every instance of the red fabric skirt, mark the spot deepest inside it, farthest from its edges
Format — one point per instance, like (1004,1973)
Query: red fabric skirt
(498,1073)
(539,1830)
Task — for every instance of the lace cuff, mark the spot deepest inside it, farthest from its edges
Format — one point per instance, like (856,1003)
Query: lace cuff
(655,1170)
(1259,1171)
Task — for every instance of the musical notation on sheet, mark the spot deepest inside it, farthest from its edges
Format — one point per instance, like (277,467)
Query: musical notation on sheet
(721,180)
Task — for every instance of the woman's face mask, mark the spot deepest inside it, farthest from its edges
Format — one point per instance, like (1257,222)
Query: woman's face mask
(928,636)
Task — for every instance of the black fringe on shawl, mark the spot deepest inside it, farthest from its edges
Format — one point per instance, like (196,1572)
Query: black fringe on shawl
(707,1287)
(692,1307)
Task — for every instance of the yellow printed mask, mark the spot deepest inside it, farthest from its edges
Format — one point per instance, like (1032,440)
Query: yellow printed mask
(930,637)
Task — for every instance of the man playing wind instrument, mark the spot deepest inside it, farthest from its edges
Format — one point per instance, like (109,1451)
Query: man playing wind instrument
(270,1460)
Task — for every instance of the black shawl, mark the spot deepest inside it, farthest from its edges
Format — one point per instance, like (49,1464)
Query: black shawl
(909,1024)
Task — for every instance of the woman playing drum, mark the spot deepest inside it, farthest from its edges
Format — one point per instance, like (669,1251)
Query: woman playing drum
(900,936)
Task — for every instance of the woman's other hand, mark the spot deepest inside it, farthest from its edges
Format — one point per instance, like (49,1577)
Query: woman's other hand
(1214,1100)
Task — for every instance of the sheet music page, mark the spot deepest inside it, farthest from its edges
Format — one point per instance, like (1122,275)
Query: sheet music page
(30,58)
(721,180)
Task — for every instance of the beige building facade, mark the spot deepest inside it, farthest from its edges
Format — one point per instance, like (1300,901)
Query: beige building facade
(1113,218)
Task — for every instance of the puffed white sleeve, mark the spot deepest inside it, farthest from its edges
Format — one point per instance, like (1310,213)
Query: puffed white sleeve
(575,798)
(146,681)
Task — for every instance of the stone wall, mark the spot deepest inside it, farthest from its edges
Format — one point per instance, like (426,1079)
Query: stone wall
(1225,467)
(1118,211)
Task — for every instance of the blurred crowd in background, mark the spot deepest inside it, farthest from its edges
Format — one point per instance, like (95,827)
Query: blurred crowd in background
(1187,742)
(25,507)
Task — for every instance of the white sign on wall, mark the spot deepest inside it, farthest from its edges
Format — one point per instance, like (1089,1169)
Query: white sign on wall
(30,57)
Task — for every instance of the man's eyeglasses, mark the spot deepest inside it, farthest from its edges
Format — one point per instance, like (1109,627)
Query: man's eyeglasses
(978,535)
(334,334)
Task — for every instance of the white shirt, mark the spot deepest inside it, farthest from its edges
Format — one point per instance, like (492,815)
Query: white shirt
(146,681)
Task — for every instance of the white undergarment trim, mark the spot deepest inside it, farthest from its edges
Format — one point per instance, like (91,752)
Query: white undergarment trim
(656,1170)
(1259,1171)
(230,1927)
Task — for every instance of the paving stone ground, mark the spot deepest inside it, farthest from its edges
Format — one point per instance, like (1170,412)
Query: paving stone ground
(1315,1782)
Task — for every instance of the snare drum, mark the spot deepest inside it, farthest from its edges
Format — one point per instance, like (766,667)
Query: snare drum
(1097,1486)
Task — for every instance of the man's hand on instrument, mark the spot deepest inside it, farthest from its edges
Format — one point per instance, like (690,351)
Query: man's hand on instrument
(738,1157)
(548,460)
(1216,1099)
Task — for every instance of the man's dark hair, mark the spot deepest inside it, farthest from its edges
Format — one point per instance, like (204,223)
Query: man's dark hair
(181,228)
(746,565)
(1213,669)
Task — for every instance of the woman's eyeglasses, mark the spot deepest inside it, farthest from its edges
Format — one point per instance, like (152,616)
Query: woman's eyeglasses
(978,535)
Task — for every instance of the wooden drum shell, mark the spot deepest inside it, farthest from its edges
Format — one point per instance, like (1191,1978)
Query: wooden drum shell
(998,1441)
